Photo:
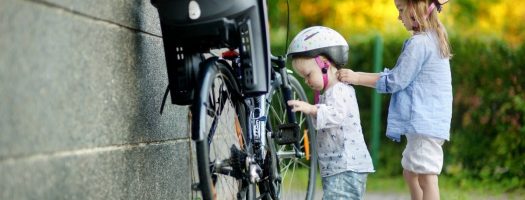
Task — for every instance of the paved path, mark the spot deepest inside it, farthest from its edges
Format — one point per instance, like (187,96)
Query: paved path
(374,196)
(386,196)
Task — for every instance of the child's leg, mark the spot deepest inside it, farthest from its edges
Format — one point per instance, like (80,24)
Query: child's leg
(346,185)
(411,178)
(334,187)
(422,161)
(429,185)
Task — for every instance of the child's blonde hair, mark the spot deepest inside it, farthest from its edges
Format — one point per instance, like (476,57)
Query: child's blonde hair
(417,10)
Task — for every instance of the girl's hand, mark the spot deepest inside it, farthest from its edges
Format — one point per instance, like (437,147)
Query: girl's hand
(348,76)
(303,107)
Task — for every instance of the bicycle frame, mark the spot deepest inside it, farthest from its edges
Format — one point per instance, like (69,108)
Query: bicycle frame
(190,30)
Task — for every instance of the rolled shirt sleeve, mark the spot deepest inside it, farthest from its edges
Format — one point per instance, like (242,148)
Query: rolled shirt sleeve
(407,67)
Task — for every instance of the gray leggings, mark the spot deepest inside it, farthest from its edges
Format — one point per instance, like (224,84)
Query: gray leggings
(345,185)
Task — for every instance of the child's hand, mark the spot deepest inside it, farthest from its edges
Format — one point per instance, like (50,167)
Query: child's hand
(348,76)
(303,107)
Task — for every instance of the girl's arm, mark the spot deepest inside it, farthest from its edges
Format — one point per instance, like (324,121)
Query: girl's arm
(407,67)
(358,78)
(304,107)
(330,114)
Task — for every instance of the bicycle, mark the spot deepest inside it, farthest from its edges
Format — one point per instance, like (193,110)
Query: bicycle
(249,144)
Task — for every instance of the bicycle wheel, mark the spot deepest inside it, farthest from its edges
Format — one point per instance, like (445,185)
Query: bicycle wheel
(297,173)
(220,115)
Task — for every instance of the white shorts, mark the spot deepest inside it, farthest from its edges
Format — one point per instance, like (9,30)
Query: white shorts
(423,154)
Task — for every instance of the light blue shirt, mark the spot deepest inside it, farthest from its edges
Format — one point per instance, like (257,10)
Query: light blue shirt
(421,87)
(340,143)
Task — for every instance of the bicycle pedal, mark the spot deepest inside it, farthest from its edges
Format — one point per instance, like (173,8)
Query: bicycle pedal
(287,134)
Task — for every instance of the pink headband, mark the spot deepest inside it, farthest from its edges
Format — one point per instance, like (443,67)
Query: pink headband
(431,8)
(434,5)
(429,11)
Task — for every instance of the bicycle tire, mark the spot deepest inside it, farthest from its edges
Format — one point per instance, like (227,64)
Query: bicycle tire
(291,188)
(220,114)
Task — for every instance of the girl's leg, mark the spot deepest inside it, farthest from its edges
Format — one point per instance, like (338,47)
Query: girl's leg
(346,185)
(411,178)
(429,185)
(334,187)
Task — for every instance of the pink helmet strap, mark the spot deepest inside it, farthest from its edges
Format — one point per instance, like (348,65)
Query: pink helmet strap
(429,11)
(324,69)
(316,97)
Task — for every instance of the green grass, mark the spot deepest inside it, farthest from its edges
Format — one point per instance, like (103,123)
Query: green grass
(385,184)
(301,178)
(449,187)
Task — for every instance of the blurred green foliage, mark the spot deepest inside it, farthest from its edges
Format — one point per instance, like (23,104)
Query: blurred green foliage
(487,132)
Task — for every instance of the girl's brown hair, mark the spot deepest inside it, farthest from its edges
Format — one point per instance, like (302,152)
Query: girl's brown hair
(418,11)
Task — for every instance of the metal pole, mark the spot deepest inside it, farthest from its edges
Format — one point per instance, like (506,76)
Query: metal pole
(376,101)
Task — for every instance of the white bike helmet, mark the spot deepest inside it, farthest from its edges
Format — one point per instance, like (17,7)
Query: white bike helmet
(320,40)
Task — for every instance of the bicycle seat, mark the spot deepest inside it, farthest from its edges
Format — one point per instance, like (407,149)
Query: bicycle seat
(191,12)
(200,25)
(191,28)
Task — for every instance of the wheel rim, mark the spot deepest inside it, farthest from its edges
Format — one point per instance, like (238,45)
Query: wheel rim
(223,124)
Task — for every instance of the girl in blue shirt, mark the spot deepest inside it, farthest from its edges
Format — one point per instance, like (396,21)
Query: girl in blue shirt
(421,103)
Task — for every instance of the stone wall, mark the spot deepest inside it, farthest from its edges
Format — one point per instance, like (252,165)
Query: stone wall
(81,84)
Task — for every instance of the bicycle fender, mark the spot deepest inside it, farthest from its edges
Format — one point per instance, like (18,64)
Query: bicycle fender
(207,68)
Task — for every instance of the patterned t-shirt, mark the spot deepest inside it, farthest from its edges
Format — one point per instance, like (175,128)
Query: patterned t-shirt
(340,142)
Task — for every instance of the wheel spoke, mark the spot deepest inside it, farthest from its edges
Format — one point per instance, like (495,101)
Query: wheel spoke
(224,127)
(274,113)
(293,173)
(303,164)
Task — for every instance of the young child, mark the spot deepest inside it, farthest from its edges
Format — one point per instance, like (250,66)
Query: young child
(316,53)
(421,88)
